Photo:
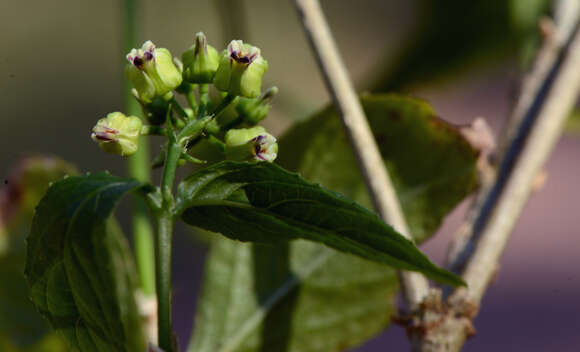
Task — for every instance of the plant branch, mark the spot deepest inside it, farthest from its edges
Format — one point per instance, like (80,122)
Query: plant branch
(548,95)
(370,162)
(559,97)
(536,87)
(165,222)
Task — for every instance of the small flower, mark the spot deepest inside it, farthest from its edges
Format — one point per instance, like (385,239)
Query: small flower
(200,62)
(251,144)
(152,71)
(240,70)
(118,134)
(255,110)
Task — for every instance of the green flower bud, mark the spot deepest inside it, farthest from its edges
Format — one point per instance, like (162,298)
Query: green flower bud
(251,144)
(255,110)
(200,62)
(118,134)
(240,70)
(152,72)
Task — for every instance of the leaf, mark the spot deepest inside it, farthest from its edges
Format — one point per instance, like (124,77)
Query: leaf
(431,164)
(253,300)
(311,298)
(261,202)
(78,266)
(21,327)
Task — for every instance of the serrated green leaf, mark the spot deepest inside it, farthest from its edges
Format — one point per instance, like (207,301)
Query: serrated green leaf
(78,266)
(319,299)
(261,202)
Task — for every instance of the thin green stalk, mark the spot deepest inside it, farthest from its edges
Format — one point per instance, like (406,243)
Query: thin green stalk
(178,109)
(191,100)
(203,100)
(165,222)
(192,159)
(163,272)
(224,103)
(138,167)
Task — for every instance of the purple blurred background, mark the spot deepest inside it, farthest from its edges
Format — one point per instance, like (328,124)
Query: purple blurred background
(60,71)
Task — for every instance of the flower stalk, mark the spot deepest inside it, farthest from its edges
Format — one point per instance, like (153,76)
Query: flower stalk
(155,78)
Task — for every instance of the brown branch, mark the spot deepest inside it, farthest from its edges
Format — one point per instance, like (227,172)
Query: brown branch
(548,95)
(370,162)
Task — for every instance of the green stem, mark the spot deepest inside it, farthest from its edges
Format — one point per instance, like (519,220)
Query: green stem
(203,100)
(224,103)
(190,96)
(192,159)
(138,167)
(193,129)
(163,272)
(165,222)
(178,109)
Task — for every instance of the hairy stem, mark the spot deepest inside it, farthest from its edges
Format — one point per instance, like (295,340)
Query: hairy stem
(165,222)
(163,271)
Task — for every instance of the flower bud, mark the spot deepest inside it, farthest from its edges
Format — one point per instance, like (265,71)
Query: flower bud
(240,70)
(251,144)
(118,134)
(255,110)
(200,62)
(152,72)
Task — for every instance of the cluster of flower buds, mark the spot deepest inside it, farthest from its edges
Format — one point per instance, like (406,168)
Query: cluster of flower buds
(155,75)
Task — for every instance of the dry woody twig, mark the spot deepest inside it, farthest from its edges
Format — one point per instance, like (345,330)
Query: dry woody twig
(361,138)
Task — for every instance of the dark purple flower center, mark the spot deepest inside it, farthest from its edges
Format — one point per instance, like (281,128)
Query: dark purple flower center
(138,62)
(106,134)
(243,58)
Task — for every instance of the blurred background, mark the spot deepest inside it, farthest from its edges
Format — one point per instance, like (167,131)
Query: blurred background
(61,70)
